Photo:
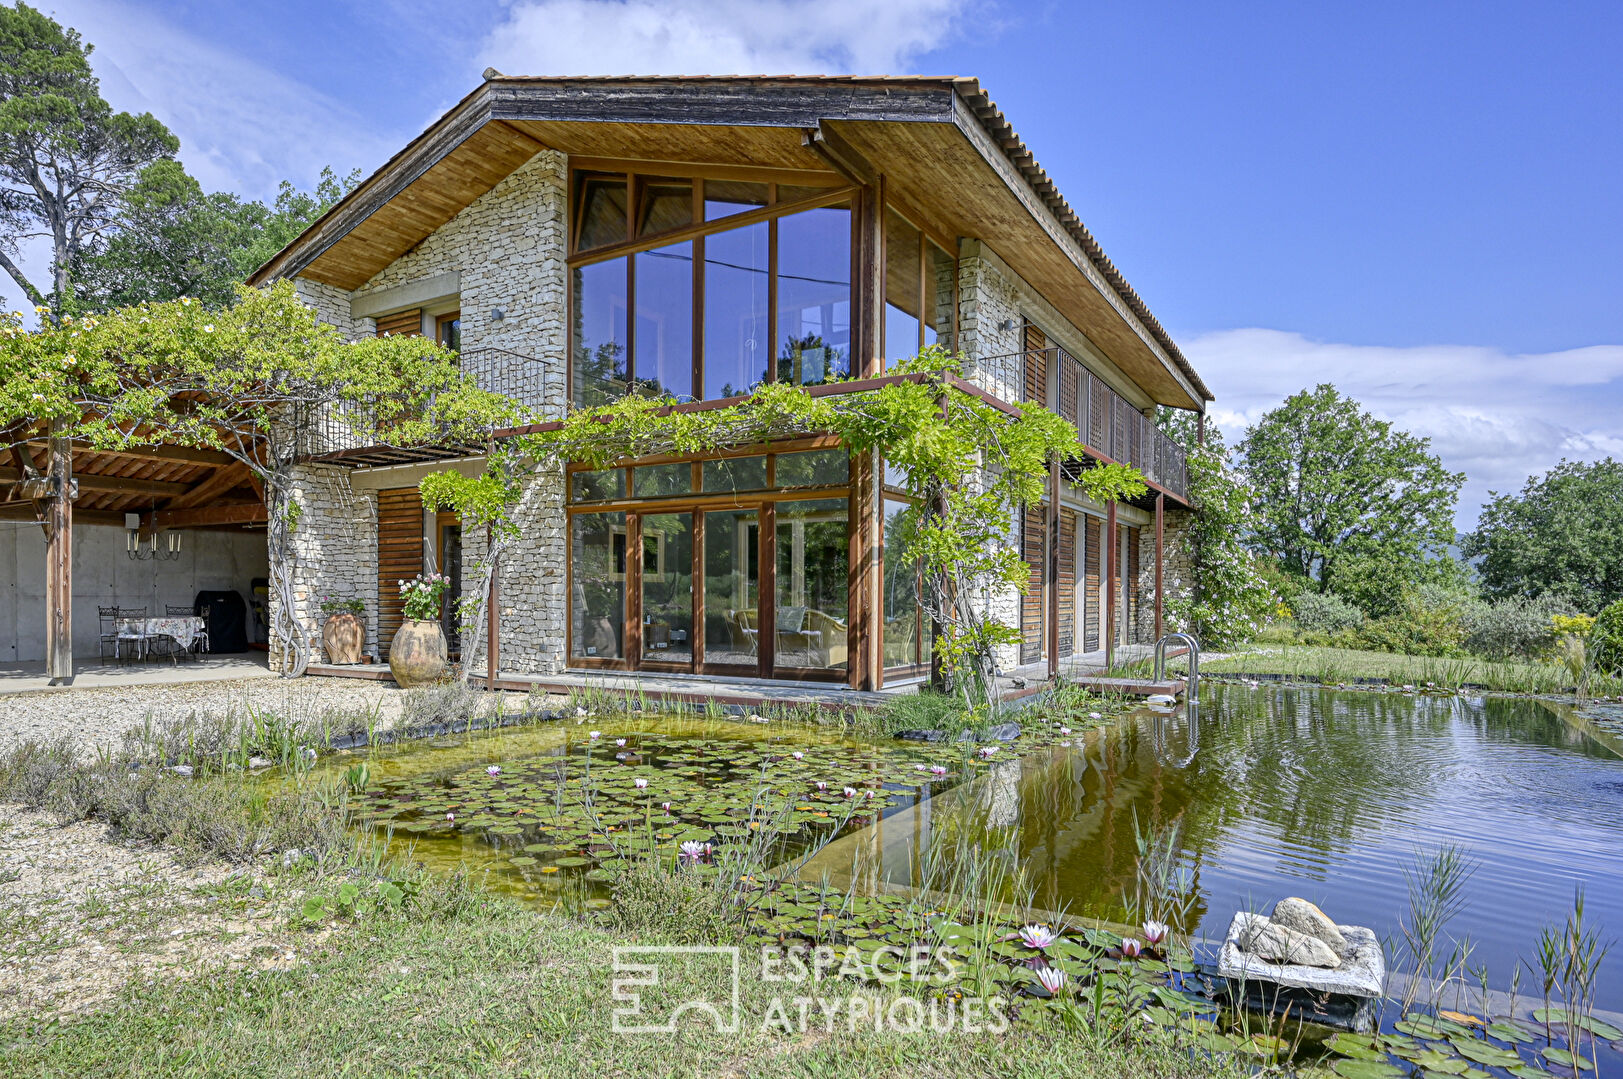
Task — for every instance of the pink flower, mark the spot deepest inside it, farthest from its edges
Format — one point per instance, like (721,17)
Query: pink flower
(450,816)
(1131,948)
(850,792)
(619,741)
(1065,730)
(666,806)
(938,770)
(797,755)
(693,850)
(822,786)
(1050,979)
(1154,933)
(493,770)
(987,751)
(596,735)
(640,783)
(1037,937)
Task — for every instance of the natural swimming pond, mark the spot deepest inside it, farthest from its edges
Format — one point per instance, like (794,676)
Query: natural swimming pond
(1280,791)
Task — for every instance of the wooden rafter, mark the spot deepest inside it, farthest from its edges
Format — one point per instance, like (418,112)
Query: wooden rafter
(232,513)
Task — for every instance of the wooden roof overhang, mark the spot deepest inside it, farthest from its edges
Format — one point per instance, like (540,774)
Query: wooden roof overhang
(170,486)
(940,142)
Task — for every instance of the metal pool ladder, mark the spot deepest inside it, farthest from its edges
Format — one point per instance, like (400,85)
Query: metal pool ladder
(1191,693)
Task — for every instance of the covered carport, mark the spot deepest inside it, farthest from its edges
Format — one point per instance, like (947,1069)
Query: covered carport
(67,548)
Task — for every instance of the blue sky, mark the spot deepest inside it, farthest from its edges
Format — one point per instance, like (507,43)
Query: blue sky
(1419,202)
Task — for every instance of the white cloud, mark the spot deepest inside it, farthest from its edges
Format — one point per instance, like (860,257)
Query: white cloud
(1498,417)
(719,37)
(243,127)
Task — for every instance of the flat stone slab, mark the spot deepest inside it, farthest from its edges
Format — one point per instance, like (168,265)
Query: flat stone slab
(1361,974)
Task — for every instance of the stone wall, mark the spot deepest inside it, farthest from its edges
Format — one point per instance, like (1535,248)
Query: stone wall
(332,307)
(334,550)
(508,249)
(1178,580)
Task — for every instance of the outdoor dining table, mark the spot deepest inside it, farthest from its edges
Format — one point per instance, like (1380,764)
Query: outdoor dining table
(183,629)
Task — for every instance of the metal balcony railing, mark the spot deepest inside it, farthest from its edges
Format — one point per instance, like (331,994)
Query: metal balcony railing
(1106,421)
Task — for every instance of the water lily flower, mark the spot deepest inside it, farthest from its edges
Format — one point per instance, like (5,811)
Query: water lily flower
(493,770)
(821,785)
(797,755)
(987,751)
(450,816)
(938,769)
(918,768)
(850,792)
(1037,937)
(1131,948)
(1095,715)
(1154,933)
(694,849)
(867,794)
(1065,730)
(596,735)
(619,741)
(1050,979)
(666,806)
(640,783)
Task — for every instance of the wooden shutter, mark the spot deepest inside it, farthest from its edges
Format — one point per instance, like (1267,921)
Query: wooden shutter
(402,323)
(1099,418)
(1133,635)
(1065,587)
(1036,365)
(1033,550)
(1090,594)
(1068,369)
(400,555)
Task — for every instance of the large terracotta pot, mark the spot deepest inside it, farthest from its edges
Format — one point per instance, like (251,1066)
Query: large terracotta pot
(417,654)
(343,637)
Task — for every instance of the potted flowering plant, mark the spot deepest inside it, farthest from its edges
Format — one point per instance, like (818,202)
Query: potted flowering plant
(343,634)
(417,654)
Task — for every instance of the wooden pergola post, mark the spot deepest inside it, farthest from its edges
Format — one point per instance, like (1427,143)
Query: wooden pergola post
(59,559)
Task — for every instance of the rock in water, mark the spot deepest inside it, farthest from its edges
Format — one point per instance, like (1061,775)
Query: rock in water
(1277,944)
(1304,917)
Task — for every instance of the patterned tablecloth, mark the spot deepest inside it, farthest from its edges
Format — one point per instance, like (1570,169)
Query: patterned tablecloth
(182,628)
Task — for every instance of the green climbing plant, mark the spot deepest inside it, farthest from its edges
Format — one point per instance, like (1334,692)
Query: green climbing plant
(968,463)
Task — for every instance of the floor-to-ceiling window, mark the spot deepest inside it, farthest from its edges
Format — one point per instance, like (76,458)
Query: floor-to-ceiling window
(704,288)
(737,564)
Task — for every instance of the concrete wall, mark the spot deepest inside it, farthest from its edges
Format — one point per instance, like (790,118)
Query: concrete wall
(103,576)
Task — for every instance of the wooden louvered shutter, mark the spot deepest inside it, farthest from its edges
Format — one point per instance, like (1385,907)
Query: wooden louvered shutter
(1065,587)
(1099,418)
(400,555)
(1034,551)
(402,323)
(1090,595)
(1036,365)
(1067,387)
(1132,586)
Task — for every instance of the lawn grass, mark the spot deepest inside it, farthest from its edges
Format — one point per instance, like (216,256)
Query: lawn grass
(1336,665)
(498,989)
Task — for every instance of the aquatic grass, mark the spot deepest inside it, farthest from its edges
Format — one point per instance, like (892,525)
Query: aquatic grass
(1436,890)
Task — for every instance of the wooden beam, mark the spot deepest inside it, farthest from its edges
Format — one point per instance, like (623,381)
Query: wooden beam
(182,454)
(90,481)
(217,484)
(59,561)
(25,511)
(240,513)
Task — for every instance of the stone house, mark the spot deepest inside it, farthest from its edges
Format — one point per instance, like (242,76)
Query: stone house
(578,239)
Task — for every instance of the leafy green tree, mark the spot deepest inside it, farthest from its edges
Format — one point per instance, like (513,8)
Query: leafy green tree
(1331,479)
(65,156)
(1561,536)
(170,239)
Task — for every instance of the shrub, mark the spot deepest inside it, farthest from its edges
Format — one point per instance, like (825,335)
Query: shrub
(1516,628)
(1325,612)
(1606,640)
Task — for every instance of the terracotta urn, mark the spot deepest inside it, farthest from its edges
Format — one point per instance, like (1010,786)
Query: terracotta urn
(343,637)
(417,655)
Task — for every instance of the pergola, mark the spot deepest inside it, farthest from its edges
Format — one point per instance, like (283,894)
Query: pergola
(47,478)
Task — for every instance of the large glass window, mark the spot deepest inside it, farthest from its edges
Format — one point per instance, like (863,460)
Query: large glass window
(906,630)
(667,587)
(731,587)
(601,200)
(662,347)
(601,303)
(655,481)
(814,295)
(814,468)
(735,474)
(597,572)
(812,570)
(903,246)
(663,205)
(723,198)
(736,287)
